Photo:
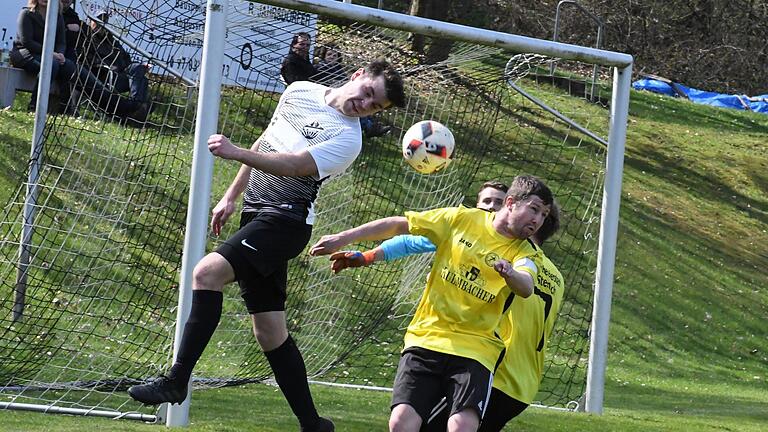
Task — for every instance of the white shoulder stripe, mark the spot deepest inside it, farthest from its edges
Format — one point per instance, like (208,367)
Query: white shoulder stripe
(527,263)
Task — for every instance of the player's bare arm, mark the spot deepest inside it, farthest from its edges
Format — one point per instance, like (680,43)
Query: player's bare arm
(379,229)
(520,282)
(282,164)
(228,203)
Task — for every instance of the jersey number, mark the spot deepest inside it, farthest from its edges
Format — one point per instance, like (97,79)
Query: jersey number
(547,307)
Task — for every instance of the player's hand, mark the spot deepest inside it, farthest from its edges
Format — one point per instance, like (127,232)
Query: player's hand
(504,268)
(220,146)
(327,245)
(221,214)
(344,259)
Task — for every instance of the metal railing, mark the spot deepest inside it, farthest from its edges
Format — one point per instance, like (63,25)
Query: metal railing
(598,43)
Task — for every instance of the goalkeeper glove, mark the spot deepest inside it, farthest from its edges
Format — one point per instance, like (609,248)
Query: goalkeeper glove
(344,259)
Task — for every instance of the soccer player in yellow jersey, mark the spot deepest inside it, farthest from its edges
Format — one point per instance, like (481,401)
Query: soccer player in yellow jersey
(526,329)
(482,259)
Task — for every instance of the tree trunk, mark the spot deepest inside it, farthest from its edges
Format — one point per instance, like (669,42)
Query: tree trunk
(418,41)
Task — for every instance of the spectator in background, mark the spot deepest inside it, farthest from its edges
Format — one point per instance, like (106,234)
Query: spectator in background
(71,28)
(26,54)
(111,63)
(28,49)
(296,65)
(329,67)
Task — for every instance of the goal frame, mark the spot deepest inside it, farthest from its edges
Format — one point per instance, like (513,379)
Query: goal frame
(210,82)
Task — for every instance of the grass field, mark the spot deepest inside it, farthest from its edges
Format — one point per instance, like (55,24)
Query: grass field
(688,343)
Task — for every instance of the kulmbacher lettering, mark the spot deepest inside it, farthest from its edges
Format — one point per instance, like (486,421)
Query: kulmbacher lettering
(466,286)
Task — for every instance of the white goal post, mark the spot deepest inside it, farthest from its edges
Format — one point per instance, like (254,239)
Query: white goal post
(621,63)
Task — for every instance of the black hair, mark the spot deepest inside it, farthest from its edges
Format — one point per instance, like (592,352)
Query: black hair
(393,82)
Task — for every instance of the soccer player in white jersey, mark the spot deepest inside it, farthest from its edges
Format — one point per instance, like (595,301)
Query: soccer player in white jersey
(314,133)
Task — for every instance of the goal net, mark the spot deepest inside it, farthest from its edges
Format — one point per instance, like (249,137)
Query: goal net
(93,229)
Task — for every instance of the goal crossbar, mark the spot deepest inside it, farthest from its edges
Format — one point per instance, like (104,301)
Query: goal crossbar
(430,27)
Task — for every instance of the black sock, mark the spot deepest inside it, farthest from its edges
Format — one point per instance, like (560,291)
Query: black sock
(202,322)
(291,376)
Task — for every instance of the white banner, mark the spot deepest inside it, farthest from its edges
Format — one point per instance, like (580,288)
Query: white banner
(9,14)
(257,36)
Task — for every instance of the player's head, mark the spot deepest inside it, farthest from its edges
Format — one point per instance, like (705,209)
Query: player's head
(300,44)
(491,196)
(550,226)
(66,3)
(526,205)
(376,87)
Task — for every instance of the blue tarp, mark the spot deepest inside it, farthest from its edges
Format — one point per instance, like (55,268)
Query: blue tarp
(755,103)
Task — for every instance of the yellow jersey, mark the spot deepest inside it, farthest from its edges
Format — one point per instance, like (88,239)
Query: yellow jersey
(465,297)
(526,329)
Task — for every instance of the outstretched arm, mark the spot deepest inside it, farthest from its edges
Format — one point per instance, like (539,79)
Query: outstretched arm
(375,230)
(397,247)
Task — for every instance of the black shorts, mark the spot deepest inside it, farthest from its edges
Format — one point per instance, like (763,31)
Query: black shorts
(259,254)
(424,377)
(501,409)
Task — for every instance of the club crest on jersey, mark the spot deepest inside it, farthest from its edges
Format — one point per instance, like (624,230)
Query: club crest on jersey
(491,259)
(311,130)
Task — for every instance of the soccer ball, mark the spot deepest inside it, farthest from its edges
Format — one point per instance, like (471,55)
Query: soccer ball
(428,146)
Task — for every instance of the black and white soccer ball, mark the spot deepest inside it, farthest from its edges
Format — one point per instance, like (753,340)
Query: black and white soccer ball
(428,146)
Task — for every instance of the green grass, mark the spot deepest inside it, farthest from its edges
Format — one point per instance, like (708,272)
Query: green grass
(688,348)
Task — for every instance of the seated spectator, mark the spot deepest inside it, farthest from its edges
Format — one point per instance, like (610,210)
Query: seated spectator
(27,52)
(296,65)
(110,62)
(28,49)
(71,28)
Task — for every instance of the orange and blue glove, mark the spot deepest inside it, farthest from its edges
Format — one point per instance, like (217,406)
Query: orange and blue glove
(344,259)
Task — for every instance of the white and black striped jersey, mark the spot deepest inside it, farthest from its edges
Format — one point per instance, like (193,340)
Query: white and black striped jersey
(303,120)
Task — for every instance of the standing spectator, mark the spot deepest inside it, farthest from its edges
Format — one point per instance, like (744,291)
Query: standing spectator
(296,65)
(111,63)
(329,68)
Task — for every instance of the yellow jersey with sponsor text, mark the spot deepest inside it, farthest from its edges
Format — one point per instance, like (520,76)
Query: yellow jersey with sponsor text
(465,297)
(526,329)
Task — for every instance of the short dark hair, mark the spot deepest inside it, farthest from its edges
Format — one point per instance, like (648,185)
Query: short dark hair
(524,186)
(550,226)
(298,35)
(493,184)
(393,82)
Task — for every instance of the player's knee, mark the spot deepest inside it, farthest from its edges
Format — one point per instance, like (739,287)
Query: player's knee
(270,330)
(465,420)
(404,419)
(210,274)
